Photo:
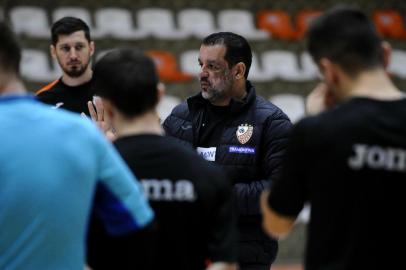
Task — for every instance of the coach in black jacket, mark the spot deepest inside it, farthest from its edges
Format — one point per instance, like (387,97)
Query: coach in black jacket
(229,124)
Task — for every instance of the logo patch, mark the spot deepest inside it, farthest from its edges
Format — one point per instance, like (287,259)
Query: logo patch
(244,133)
(208,153)
(242,150)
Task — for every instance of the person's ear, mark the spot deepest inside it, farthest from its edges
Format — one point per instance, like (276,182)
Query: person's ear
(329,71)
(386,53)
(52,50)
(109,108)
(161,91)
(239,70)
(92,48)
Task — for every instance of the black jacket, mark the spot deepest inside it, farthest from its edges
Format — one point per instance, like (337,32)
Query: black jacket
(251,166)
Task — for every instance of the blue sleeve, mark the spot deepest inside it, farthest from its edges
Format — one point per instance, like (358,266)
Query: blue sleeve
(119,200)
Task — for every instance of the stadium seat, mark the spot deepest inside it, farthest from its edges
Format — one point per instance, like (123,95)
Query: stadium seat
(117,23)
(309,68)
(389,23)
(165,106)
(159,23)
(281,65)
(240,22)
(292,105)
(277,23)
(167,66)
(77,12)
(189,62)
(30,21)
(196,22)
(397,64)
(303,19)
(36,67)
(256,72)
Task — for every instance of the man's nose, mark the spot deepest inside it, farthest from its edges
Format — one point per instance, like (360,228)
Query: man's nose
(73,53)
(203,73)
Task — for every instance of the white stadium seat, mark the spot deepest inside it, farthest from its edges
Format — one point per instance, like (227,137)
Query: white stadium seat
(256,72)
(117,23)
(196,22)
(165,106)
(189,62)
(292,105)
(31,21)
(280,64)
(240,22)
(35,66)
(159,23)
(77,12)
(397,64)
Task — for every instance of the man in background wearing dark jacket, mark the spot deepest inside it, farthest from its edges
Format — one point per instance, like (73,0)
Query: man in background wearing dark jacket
(245,134)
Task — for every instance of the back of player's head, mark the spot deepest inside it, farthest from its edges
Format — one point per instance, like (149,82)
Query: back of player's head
(129,79)
(237,48)
(10,52)
(67,26)
(347,37)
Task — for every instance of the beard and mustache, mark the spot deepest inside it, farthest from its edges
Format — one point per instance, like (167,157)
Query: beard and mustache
(75,68)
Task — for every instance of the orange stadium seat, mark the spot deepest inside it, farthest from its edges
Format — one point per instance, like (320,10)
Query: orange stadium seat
(303,19)
(389,23)
(277,23)
(167,66)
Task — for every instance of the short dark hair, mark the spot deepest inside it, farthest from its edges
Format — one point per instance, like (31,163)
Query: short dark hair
(237,48)
(346,36)
(129,79)
(10,51)
(67,26)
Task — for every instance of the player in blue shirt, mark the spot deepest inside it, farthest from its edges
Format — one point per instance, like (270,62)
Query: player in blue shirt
(54,167)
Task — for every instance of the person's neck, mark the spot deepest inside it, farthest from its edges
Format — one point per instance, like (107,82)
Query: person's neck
(13,86)
(147,123)
(373,84)
(82,79)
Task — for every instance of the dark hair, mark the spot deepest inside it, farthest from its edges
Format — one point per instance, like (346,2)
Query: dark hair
(67,26)
(237,48)
(347,37)
(129,79)
(10,51)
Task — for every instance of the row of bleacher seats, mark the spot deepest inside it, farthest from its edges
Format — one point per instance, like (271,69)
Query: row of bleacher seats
(268,66)
(162,23)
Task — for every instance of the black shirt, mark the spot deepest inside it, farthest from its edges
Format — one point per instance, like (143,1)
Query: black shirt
(350,164)
(213,125)
(191,199)
(72,98)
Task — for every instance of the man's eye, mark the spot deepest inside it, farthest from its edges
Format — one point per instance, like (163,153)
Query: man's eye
(79,47)
(65,48)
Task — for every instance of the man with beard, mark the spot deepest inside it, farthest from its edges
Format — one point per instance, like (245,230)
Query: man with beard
(246,135)
(73,48)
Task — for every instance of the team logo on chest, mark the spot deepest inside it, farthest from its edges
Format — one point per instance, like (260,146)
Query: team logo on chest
(244,133)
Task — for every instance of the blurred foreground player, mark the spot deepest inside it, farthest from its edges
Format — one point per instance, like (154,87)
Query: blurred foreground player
(191,198)
(349,162)
(54,167)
